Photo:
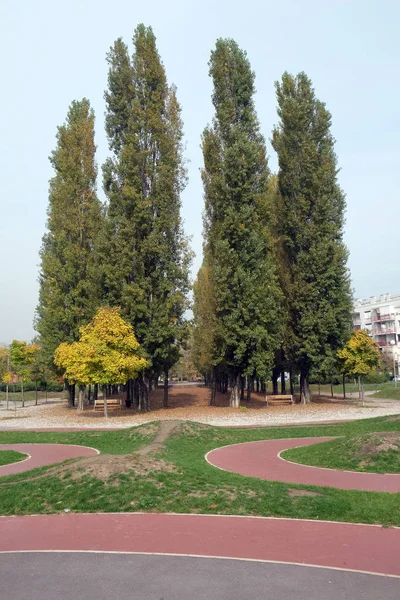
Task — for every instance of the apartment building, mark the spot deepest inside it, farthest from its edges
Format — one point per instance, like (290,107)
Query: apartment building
(380,316)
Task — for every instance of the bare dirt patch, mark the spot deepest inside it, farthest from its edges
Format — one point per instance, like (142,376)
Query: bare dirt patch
(293,492)
(108,466)
(379,442)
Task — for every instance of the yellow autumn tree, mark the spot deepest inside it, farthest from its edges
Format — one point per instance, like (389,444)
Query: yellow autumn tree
(359,356)
(107,352)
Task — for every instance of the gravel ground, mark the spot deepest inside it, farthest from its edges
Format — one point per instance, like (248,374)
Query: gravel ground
(191,403)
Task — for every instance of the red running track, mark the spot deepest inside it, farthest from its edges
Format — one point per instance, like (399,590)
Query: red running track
(338,545)
(260,459)
(41,455)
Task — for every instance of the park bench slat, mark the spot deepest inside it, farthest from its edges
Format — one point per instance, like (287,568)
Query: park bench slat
(111,403)
(280,399)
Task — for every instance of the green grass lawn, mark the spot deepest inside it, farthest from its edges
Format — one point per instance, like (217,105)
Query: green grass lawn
(383,389)
(187,483)
(10,456)
(375,453)
(17,396)
(389,392)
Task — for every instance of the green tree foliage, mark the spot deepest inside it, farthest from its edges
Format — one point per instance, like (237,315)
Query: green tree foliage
(310,226)
(203,347)
(4,361)
(23,358)
(144,253)
(237,245)
(185,368)
(360,356)
(68,294)
(107,352)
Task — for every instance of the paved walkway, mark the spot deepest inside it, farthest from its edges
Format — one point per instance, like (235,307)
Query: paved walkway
(339,545)
(261,459)
(41,455)
(103,576)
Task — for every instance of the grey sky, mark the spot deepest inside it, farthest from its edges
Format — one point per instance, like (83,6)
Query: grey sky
(54,52)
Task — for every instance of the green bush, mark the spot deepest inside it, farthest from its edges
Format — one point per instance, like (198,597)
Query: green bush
(375,377)
(30,386)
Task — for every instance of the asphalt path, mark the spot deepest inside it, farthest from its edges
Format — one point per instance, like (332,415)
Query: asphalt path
(74,576)
(262,460)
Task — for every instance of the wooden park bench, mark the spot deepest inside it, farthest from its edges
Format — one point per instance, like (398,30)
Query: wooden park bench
(280,399)
(112,403)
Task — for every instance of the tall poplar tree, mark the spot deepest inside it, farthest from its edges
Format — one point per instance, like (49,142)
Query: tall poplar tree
(310,225)
(69,295)
(237,245)
(144,251)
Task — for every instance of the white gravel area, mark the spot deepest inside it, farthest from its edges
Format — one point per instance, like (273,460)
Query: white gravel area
(55,415)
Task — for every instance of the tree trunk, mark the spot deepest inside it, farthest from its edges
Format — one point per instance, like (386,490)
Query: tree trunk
(81,397)
(89,394)
(344,387)
(36,393)
(331,389)
(156,382)
(359,387)
(165,400)
(105,401)
(283,383)
(213,387)
(136,399)
(235,394)
(7,396)
(128,389)
(319,389)
(257,385)
(275,389)
(46,391)
(242,385)
(95,391)
(291,382)
(304,388)
(264,387)
(249,389)
(146,396)
(22,393)
(71,394)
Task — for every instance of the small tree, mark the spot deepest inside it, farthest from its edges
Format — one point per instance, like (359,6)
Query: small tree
(107,352)
(359,357)
(22,357)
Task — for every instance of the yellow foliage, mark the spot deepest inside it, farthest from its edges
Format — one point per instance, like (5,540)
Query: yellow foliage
(105,353)
(7,377)
(360,355)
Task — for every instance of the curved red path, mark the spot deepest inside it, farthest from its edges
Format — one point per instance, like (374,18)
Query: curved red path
(260,459)
(41,455)
(340,545)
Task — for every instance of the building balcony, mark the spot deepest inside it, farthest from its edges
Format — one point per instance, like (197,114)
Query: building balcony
(382,318)
(384,331)
(384,343)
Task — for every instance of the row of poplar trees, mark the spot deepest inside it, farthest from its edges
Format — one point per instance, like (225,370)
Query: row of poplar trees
(273,293)
(131,251)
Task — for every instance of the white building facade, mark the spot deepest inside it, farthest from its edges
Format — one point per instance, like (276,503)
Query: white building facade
(380,316)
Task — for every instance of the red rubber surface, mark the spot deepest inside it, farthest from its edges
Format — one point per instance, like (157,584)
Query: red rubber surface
(260,459)
(340,545)
(42,455)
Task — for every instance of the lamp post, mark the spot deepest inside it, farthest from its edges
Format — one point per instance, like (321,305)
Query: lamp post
(393,343)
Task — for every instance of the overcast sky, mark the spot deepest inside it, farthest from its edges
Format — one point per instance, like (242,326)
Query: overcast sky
(54,52)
